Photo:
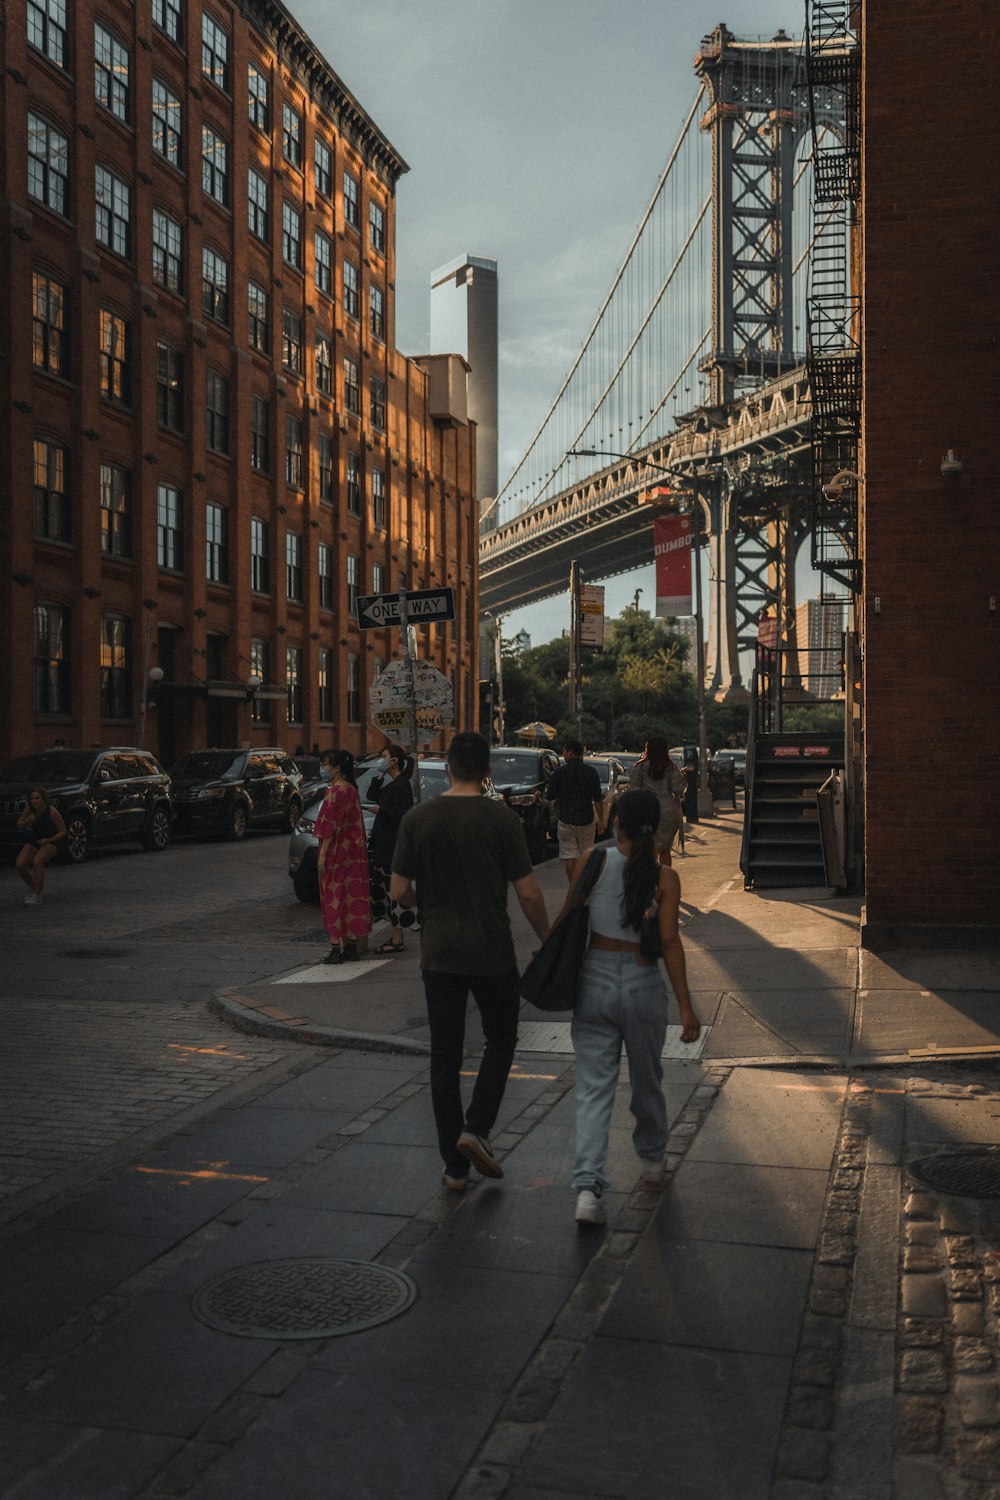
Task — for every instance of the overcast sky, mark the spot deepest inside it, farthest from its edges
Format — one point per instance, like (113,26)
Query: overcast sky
(535,132)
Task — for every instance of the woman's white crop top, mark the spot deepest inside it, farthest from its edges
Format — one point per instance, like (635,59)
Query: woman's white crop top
(606,900)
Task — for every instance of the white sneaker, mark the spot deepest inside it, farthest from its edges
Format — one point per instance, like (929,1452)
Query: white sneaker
(32,900)
(589,1208)
(653,1171)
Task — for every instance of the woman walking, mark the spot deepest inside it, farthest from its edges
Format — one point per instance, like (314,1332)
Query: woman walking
(342,861)
(394,798)
(43,828)
(623,1000)
(654,771)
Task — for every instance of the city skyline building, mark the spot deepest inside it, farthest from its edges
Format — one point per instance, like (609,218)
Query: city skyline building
(210,446)
(464,310)
(819,637)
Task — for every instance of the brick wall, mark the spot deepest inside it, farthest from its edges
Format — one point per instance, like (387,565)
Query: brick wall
(931,222)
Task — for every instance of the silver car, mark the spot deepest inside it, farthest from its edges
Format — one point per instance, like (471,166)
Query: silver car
(303,844)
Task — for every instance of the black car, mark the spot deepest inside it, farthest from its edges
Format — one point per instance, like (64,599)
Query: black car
(521,777)
(230,791)
(105,796)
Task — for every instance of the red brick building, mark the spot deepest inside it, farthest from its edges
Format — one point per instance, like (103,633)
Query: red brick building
(210,445)
(930,215)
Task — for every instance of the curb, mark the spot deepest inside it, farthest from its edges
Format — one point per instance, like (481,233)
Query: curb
(244,1015)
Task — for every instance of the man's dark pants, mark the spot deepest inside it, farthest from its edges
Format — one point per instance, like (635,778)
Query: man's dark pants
(496,996)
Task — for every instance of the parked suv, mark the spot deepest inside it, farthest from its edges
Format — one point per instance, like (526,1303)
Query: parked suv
(104,796)
(521,777)
(229,791)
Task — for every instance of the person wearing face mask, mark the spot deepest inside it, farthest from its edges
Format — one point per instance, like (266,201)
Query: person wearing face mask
(342,861)
(394,796)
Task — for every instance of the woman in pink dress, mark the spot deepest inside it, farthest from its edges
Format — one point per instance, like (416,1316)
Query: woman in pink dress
(342,861)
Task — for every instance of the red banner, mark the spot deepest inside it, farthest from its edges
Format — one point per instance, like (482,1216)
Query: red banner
(672,551)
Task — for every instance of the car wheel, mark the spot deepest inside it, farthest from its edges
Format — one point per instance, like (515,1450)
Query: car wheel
(306,887)
(77,838)
(293,813)
(158,831)
(237,827)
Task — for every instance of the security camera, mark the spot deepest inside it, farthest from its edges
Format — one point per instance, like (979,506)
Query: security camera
(832,491)
(836,486)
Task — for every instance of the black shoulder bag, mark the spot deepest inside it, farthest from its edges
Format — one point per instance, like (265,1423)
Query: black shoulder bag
(550,980)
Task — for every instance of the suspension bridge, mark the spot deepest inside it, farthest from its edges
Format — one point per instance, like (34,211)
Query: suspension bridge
(722,369)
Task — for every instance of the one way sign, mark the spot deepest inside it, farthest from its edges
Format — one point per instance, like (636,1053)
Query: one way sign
(378,610)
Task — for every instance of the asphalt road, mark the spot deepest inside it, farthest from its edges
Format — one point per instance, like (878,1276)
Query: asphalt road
(103,990)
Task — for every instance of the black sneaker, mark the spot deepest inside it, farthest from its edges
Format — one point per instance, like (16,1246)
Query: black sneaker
(478,1150)
(334,957)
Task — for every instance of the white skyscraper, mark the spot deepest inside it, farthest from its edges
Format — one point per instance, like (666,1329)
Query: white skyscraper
(464,321)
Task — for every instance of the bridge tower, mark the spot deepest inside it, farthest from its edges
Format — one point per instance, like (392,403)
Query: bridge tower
(756,114)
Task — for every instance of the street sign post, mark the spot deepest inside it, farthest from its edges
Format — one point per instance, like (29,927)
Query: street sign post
(376,611)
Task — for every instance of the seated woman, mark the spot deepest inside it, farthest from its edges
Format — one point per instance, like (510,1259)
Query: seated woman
(43,828)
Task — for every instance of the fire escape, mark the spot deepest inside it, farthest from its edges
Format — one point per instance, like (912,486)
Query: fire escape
(833,309)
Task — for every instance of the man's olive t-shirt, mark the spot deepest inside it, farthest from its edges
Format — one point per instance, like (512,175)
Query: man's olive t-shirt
(461,853)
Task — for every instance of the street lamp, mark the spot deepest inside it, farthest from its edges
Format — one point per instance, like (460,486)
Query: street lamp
(706,805)
(498,645)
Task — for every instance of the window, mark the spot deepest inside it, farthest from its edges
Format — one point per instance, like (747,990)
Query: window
(257,90)
(291,135)
(51,497)
(114,211)
(260,570)
(293,567)
(376,311)
(353,583)
(293,452)
(216,543)
(325,660)
(325,555)
(352,390)
(170,388)
(168,252)
(214,166)
(291,235)
(111,82)
(291,340)
(167,119)
(47,29)
(260,435)
(167,16)
(116,667)
(116,373)
(353,485)
(169,527)
(217,412)
(379,509)
(325,469)
(352,194)
(51,659)
(260,318)
(376,225)
(323,168)
(214,52)
(323,264)
(257,210)
(215,286)
(293,683)
(353,689)
(350,278)
(324,364)
(378,579)
(48,164)
(50,347)
(116,511)
(260,667)
(378,403)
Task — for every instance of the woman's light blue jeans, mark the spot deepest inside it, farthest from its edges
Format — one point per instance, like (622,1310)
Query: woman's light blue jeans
(620,1001)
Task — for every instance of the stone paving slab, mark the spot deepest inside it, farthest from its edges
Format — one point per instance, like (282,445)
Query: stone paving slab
(50,1461)
(906,1020)
(929,969)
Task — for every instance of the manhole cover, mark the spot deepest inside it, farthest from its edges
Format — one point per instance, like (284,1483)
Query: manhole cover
(966,1174)
(97,953)
(303,1299)
(314,935)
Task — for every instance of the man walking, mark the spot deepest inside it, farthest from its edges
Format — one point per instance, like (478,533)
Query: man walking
(577,790)
(461,849)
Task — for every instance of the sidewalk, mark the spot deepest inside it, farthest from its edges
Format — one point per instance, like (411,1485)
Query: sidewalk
(796,1317)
